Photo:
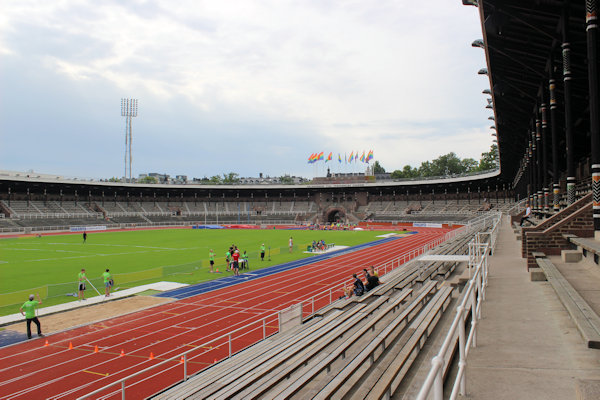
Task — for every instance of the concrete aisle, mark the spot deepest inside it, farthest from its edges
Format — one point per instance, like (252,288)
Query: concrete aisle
(527,346)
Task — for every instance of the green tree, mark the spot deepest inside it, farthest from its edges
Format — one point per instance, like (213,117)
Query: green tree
(113,179)
(426,169)
(489,159)
(406,172)
(470,164)
(286,180)
(148,179)
(231,178)
(215,180)
(378,169)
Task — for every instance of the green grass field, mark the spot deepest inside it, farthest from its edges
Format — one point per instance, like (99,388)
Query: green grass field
(50,264)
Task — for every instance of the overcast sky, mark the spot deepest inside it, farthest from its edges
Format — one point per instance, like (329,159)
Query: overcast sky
(245,86)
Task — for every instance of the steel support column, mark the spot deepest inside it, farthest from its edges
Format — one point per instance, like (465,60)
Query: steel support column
(538,157)
(544,112)
(554,129)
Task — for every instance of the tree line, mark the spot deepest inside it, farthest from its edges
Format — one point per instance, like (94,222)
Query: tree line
(446,165)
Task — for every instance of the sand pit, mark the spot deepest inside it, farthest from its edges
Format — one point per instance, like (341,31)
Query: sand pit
(86,315)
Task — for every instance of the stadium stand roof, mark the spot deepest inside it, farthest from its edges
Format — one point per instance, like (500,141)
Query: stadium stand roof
(525,44)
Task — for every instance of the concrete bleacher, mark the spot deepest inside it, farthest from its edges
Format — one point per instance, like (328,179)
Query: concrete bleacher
(582,314)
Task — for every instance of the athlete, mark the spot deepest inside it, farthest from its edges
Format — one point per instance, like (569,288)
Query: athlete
(84,236)
(82,279)
(291,244)
(29,307)
(236,262)
(245,260)
(262,252)
(211,257)
(107,282)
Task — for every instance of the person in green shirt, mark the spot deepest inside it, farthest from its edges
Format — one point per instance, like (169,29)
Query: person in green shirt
(28,310)
(211,257)
(82,280)
(262,252)
(107,282)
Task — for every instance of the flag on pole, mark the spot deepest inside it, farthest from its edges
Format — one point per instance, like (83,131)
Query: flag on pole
(370,155)
(362,158)
(351,157)
(339,158)
(320,157)
(356,157)
(345,159)
(329,157)
(311,158)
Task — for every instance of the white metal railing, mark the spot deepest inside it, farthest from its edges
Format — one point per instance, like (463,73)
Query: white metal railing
(472,299)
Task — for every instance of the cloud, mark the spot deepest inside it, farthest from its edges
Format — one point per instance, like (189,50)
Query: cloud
(276,79)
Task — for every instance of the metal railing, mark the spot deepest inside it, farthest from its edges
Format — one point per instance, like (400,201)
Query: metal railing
(473,296)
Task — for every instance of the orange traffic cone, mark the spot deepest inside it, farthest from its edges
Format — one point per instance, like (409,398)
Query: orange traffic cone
(217,270)
(96,349)
(151,356)
(181,360)
(122,353)
(46,344)
(70,346)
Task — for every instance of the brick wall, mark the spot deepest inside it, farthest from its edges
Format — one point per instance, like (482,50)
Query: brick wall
(550,240)
(552,221)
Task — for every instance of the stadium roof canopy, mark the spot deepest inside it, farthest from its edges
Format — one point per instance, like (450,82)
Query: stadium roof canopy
(524,43)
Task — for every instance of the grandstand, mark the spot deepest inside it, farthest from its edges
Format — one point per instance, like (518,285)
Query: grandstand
(404,339)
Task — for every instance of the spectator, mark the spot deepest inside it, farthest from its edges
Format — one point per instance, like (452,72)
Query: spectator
(526,216)
(372,279)
(29,307)
(357,288)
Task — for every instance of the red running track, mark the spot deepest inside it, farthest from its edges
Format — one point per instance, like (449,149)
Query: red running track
(31,370)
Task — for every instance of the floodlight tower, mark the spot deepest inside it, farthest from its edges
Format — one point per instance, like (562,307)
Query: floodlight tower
(129,109)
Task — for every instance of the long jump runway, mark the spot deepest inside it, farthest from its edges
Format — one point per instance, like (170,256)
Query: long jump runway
(105,352)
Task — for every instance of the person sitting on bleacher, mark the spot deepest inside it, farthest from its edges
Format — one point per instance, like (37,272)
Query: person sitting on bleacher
(372,279)
(357,288)
(526,216)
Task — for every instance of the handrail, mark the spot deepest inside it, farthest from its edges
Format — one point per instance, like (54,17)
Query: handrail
(473,296)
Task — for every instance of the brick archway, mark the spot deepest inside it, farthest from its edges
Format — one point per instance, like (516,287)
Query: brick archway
(332,214)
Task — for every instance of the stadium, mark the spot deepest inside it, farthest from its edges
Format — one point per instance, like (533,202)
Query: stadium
(489,282)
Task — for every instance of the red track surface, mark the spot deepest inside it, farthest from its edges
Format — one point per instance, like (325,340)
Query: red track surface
(31,370)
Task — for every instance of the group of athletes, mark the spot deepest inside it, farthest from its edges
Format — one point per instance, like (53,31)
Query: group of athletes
(234,259)
(28,308)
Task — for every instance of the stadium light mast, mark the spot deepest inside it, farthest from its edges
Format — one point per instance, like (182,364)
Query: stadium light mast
(129,109)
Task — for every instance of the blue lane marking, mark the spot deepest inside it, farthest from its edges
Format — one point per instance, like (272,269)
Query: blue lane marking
(205,287)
